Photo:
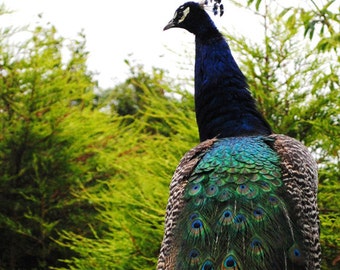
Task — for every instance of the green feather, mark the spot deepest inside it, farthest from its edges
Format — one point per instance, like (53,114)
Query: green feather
(233,205)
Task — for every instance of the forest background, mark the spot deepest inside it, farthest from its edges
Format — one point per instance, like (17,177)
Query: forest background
(84,171)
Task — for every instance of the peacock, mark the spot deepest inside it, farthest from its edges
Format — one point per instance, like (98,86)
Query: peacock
(244,198)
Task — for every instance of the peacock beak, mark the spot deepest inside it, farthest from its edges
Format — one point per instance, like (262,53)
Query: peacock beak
(170,24)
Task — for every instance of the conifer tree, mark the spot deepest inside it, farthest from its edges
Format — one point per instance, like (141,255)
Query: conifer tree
(49,138)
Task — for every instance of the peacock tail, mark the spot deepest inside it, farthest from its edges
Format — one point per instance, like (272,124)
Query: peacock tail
(232,201)
(236,203)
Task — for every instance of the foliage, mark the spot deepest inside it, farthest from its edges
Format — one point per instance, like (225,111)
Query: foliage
(323,18)
(132,202)
(48,138)
(134,97)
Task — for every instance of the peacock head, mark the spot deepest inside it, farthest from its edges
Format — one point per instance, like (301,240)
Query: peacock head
(191,14)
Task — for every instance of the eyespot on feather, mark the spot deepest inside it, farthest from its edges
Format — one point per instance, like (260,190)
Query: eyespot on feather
(258,214)
(197,228)
(256,247)
(226,217)
(273,200)
(208,265)
(194,189)
(243,189)
(230,262)
(296,255)
(194,257)
(211,190)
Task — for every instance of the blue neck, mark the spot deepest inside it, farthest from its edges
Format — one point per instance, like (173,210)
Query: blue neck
(224,106)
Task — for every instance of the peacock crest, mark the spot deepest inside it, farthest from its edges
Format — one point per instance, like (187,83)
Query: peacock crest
(217,7)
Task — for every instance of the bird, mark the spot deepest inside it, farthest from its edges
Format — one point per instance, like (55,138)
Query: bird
(244,197)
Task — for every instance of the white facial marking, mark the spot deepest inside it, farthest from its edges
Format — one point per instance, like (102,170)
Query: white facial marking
(185,13)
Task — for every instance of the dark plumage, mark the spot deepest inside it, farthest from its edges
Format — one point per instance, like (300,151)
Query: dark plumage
(244,198)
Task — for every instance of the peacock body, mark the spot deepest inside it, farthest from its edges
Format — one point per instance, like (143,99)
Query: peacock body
(244,198)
